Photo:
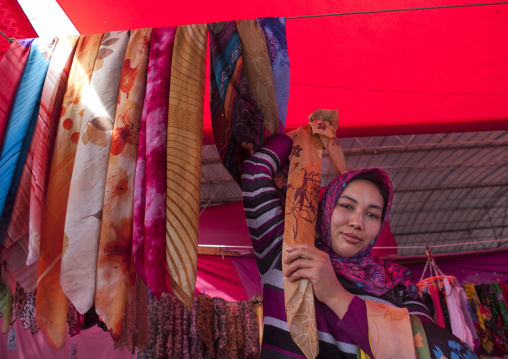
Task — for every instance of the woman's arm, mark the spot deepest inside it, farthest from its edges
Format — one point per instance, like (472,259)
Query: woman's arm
(263,212)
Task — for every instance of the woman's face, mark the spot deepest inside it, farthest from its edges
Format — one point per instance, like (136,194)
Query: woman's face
(356,219)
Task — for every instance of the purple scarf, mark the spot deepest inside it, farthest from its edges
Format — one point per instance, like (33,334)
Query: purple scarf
(372,274)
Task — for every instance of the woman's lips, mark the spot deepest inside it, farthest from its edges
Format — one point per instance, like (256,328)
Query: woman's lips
(351,238)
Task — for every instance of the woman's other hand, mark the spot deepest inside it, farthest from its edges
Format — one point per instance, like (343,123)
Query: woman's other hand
(306,261)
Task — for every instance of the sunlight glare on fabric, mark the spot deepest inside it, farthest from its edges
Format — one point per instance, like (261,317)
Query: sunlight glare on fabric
(48,18)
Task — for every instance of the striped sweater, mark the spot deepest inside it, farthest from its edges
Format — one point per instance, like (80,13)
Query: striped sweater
(265,220)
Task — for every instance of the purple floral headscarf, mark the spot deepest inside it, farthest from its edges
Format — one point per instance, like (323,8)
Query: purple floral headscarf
(372,274)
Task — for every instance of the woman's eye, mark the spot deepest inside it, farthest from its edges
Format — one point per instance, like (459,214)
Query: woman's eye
(346,206)
(373,215)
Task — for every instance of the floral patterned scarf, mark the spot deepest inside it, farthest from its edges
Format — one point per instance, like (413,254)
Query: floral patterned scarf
(372,274)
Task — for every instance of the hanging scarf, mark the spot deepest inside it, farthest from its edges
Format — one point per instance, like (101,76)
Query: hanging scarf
(86,197)
(53,92)
(11,69)
(52,303)
(372,274)
(237,120)
(258,71)
(20,127)
(115,276)
(300,218)
(274,29)
(184,141)
(149,232)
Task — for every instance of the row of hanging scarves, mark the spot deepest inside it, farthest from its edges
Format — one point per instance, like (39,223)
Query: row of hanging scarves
(101,154)
(478,315)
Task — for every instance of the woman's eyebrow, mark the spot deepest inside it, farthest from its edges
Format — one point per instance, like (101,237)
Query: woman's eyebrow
(376,207)
(351,199)
(355,201)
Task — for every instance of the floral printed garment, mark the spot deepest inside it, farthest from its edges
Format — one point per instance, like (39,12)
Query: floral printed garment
(84,208)
(115,275)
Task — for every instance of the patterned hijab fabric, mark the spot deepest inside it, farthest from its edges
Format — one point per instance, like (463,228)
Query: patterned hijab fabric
(300,218)
(274,29)
(184,141)
(149,234)
(50,110)
(114,276)
(52,303)
(84,208)
(372,274)
(232,105)
(20,127)
(11,69)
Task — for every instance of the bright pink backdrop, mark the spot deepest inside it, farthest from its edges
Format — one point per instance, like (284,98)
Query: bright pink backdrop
(427,71)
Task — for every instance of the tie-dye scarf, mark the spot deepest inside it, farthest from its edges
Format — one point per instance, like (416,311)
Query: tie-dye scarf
(372,274)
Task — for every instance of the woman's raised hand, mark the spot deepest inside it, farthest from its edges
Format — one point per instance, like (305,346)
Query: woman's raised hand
(306,261)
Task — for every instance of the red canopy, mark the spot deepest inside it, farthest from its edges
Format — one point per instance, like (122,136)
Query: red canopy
(419,71)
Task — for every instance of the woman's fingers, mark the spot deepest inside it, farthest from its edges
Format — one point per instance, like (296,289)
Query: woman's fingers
(297,265)
(299,274)
(304,252)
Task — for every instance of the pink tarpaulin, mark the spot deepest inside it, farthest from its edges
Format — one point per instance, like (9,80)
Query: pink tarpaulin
(404,72)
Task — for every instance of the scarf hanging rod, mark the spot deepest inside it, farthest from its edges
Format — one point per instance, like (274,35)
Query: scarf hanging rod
(228,247)
(396,10)
(7,37)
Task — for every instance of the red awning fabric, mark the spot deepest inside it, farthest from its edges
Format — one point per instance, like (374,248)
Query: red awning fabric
(14,24)
(420,71)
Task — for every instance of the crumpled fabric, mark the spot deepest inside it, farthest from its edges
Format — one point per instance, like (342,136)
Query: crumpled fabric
(197,347)
(74,320)
(219,326)
(135,325)
(250,330)
(205,324)
(237,120)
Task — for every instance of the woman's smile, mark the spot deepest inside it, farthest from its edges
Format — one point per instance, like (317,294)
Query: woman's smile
(351,238)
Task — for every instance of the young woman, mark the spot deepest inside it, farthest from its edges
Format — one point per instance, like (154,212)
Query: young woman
(343,272)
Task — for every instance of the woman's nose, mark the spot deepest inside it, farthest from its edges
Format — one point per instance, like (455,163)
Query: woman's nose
(355,220)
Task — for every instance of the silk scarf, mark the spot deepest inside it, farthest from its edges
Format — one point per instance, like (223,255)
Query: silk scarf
(274,29)
(50,110)
(114,276)
(258,71)
(11,69)
(149,233)
(52,303)
(20,126)
(184,141)
(237,120)
(300,218)
(17,241)
(86,196)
